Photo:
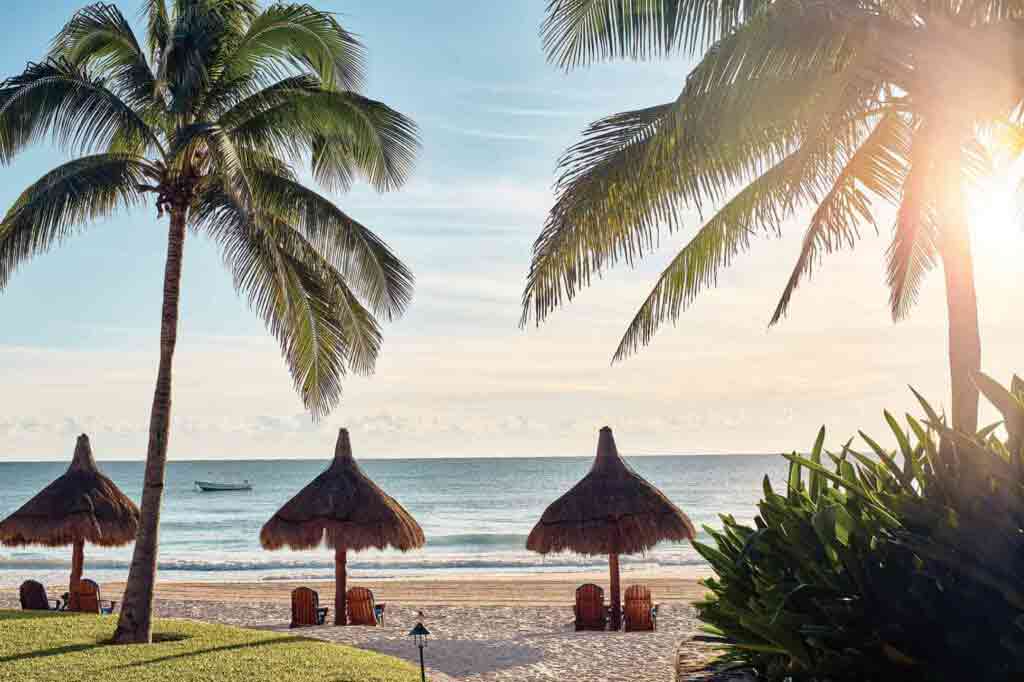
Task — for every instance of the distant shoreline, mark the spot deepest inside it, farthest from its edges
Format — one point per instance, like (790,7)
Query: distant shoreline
(429,458)
(271,585)
(468,589)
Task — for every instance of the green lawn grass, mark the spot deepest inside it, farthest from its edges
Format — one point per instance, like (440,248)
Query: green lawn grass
(58,646)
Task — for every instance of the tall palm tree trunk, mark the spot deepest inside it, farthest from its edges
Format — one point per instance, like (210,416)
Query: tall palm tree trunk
(962,306)
(135,623)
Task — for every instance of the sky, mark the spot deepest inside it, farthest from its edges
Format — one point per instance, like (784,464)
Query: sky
(79,326)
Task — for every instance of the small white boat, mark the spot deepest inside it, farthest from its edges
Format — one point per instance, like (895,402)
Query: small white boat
(212,487)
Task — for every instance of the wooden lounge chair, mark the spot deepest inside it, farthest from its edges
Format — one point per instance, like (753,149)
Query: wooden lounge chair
(33,597)
(361,607)
(639,613)
(86,599)
(590,610)
(306,608)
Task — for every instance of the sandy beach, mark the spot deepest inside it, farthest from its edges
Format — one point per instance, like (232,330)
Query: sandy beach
(483,627)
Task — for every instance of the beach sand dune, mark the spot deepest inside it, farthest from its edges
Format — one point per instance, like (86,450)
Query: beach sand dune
(483,628)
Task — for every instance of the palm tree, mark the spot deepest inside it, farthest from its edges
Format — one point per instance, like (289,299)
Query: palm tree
(212,117)
(851,107)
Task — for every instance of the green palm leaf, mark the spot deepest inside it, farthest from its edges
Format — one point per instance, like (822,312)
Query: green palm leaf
(877,167)
(286,39)
(306,304)
(99,37)
(366,138)
(745,107)
(579,32)
(758,208)
(359,255)
(913,250)
(64,200)
(158,27)
(344,134)
(78,111)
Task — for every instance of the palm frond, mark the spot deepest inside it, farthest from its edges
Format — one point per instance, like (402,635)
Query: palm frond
(362,258)
(632,176)
(321,326)
(913,251)
(877,167)
(759,208)
(747,105)
(158,27)
(580,32)
(81,114)
(912,255)
(66,199)
(789,58)
(231,164)
(236,14)
(99,38)
(290,39)
(343,133)
(603,213)
(189,61)
(366,138)
(218,26)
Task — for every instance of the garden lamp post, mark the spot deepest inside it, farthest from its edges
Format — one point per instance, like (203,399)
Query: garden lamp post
(419,635)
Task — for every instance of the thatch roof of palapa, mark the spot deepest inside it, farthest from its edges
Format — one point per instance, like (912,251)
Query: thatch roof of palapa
(611,510)
(81,505)
(343,508)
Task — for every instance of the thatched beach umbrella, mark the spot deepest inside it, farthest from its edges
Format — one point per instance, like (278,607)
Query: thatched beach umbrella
(612,511)
(348,511)
(81,506)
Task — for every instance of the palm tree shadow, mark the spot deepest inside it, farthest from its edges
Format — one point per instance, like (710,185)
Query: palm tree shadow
(32,615)
(460,657)
(45,653)
(227,647)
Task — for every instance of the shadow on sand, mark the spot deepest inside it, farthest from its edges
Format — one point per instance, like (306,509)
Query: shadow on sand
(459,657)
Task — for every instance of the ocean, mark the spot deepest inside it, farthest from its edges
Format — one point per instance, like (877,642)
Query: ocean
(476,514)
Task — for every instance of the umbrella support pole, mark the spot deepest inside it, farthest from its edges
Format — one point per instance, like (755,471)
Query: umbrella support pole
(616,601)
(340,581)
(77,564)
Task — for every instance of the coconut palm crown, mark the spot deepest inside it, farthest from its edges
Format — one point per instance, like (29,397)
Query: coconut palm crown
(210,117)
(862,111)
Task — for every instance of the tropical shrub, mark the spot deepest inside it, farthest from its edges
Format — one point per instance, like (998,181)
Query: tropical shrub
(882,565)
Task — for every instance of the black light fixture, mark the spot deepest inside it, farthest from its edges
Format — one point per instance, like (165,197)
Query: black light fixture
(419,635)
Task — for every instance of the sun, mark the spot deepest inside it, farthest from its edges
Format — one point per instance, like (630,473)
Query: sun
(995,210)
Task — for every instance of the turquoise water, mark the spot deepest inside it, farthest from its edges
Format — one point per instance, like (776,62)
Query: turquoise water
(476,514)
